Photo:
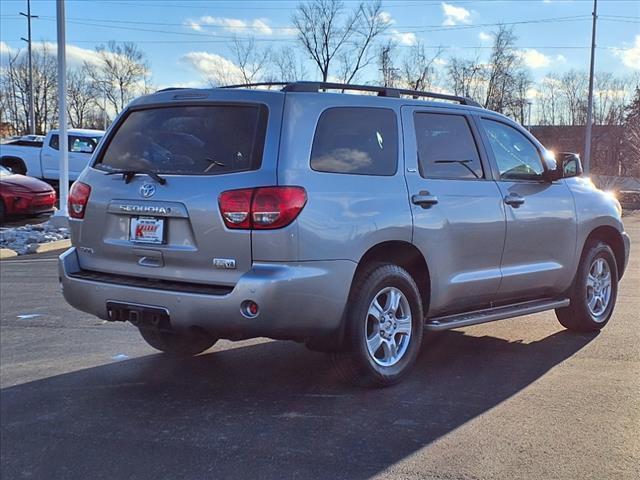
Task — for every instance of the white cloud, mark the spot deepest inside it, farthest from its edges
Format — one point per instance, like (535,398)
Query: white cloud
(213,67)
(561,58)
(236,25)
(6,50)
(485,37)
(404,38)
(385,17)
(534,59)
(76,56)
(630,56)
(454,15)
(440,61)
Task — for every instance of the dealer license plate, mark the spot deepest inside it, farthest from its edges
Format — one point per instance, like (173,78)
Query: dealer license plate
(147,230)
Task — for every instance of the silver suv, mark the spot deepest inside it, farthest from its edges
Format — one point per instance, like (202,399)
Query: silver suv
(349,222)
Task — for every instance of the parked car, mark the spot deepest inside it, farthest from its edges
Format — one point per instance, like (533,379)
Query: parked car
(40,159)
(349,222)
(25,196)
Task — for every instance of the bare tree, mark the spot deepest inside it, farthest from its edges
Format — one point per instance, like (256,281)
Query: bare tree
(419,68)
(15,86)
(324,31)
(120,72)
(388,71)
(358,54)
(251,60)
(631,139)
(81,97)
(573,86)
(505,74)
(467,77)
(548,101)
(285,66)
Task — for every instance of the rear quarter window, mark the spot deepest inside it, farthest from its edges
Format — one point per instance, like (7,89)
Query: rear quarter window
(360,141)
(189,140)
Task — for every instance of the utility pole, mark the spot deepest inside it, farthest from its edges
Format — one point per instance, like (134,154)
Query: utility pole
(587,139)
(32,112)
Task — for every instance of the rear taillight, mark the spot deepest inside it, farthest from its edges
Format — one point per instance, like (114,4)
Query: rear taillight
(261,208)
(78,198)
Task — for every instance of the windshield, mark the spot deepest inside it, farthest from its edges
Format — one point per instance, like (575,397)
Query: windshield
(4,171)
(205,140)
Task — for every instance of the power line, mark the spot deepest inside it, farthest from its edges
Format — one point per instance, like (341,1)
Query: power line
(97,23)
(288,28)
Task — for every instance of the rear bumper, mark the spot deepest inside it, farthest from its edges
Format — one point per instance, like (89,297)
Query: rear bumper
(296,300)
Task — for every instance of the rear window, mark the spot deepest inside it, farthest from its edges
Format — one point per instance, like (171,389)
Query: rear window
(190,140)
(362,141)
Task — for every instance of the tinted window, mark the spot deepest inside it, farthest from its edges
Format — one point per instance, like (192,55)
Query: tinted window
(76,144)
(205,140)
(83,144)
(516,156)
(360,141)
(446,148)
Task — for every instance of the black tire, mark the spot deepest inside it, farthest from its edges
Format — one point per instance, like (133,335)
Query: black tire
(3,215)
(578,316)
(355,364)
(177,344)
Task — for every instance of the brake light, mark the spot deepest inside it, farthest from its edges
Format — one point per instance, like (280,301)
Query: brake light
(263,208)
(78,199)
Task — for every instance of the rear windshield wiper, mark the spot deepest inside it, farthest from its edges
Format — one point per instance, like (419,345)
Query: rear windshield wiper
(127,175)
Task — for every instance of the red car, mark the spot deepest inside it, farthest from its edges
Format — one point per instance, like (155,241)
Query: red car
(22,195)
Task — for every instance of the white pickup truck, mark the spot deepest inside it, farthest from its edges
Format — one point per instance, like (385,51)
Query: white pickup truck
(42,159)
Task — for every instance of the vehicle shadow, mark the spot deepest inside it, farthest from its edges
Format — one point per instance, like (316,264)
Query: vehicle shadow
(271,410)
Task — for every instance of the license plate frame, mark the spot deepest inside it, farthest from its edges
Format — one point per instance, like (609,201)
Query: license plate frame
(149,230)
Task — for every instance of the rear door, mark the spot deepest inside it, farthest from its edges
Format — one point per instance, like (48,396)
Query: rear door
(137,226)
(540,245)
(458,216)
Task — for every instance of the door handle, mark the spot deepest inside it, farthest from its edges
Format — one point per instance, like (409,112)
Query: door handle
(514,200)
(424,199)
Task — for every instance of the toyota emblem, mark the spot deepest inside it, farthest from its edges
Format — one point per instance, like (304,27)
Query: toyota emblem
(147,190)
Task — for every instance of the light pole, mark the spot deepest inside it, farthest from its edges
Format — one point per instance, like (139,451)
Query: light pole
(32,111)
(62,111)
(529,103)
(587,139)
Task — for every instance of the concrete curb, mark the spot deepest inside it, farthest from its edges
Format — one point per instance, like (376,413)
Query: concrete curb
(7,253)
(41,248)
(51,246)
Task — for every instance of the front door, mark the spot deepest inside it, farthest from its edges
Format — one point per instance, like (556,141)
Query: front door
(540,246)
(458,214)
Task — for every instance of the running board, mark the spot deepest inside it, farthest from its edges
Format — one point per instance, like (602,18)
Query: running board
(476,317)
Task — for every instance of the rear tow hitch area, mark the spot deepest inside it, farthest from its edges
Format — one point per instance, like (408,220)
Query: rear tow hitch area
(140,316)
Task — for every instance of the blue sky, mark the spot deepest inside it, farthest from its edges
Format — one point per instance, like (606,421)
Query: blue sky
(183,38)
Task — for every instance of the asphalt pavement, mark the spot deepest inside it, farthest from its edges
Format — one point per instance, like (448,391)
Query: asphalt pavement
(522,398)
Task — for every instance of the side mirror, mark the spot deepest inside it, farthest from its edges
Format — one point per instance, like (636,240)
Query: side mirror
(570,164)
(552,171)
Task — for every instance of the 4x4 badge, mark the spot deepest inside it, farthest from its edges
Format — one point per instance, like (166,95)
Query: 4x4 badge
(147,190)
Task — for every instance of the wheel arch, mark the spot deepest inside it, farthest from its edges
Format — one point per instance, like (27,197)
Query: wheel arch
(398,252)
(11,161)
(405,255)
(612,237)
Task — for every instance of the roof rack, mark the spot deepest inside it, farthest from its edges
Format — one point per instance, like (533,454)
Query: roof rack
(259,84)
(381,91)
(170,89)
